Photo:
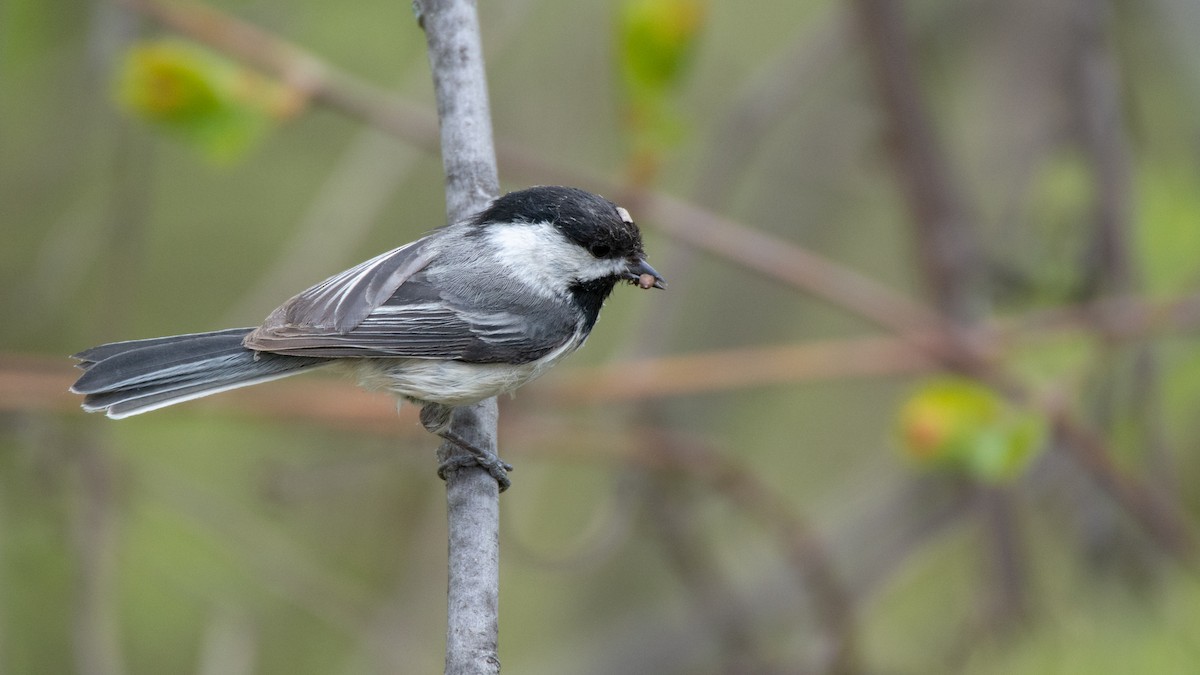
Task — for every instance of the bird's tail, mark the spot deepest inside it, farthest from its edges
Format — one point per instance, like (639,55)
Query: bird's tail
(128,378)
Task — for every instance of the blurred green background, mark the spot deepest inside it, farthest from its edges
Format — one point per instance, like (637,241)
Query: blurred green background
(768,481)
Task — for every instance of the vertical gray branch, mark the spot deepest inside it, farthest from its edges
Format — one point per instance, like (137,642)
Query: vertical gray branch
(460,85)
(473,522)
(472,495)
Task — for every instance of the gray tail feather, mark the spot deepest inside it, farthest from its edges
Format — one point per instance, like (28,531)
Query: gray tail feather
(128,378)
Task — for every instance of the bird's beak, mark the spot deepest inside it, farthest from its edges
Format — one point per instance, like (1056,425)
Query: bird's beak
(642,275)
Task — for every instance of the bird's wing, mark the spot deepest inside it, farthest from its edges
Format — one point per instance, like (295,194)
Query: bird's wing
(389,307)
(343,300)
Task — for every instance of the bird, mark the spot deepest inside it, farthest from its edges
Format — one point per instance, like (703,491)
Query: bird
(474,309)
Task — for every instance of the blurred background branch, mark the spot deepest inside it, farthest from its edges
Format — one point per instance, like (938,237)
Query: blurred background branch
(926,370)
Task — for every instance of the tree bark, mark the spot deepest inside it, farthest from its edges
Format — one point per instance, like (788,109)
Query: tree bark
(472,495)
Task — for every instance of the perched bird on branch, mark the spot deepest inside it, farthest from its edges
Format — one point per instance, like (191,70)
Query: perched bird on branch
(474,309)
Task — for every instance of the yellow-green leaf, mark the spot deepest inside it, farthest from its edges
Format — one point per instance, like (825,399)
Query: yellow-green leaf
(208,101)
(657,41)
(962,425)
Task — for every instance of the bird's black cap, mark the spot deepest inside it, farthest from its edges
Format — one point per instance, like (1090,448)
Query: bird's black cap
(589,220)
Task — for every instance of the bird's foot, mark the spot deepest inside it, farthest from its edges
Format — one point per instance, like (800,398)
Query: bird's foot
(495,466)
(436,418)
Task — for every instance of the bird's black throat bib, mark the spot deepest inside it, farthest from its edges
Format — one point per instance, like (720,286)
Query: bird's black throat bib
(589,297)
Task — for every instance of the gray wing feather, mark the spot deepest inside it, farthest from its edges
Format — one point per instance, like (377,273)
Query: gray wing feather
(388,307)
(341,302)
(426,331)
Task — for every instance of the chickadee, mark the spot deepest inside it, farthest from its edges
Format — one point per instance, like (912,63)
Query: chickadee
(472,310)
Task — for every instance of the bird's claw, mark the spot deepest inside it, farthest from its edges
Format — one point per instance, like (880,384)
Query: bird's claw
(495,466)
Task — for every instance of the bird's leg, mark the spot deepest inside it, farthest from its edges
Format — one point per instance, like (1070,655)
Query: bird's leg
(435,417)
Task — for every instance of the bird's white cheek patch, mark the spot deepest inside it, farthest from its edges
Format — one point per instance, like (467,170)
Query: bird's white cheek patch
(519,242)
(542,256)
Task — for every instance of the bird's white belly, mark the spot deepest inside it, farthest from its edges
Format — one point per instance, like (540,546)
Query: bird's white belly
(452,383)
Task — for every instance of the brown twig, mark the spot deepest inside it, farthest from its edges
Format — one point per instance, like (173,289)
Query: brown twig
(950,257)
(1161,519)
(1109,265)
(805,550)
(298,68)
(732,369)
(1096,100)
(948,250)
(949,254)
(756,109)
(792,265)
(670,509)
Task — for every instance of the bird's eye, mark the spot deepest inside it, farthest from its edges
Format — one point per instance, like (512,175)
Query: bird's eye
(600,250)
